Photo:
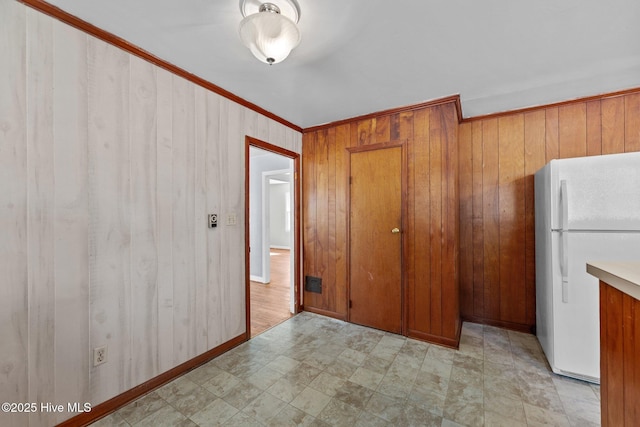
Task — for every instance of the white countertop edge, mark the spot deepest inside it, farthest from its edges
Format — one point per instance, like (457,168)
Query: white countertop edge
(624,276)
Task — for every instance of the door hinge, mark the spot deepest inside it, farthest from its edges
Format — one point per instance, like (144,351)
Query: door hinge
(350,180)
(350,304)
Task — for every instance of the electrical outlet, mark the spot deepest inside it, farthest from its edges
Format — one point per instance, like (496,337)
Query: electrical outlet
(99,355)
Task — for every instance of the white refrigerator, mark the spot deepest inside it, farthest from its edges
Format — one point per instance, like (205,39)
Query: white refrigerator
(586,209)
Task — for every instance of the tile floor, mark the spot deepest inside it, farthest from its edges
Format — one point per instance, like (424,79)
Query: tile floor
(316,371)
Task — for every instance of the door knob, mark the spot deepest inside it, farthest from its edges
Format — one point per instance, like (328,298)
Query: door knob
(395,230)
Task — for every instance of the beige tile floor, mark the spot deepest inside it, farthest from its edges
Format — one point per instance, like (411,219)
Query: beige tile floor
(316,371)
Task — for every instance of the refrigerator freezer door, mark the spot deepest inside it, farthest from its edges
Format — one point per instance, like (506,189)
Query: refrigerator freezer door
(576,323)
(602,192)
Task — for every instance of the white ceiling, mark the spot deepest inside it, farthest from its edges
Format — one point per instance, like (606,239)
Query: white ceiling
(361,56)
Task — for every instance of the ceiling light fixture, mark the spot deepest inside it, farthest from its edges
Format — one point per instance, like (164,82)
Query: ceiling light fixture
(269,29)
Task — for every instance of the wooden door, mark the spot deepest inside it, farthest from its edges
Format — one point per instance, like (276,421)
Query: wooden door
(375,243)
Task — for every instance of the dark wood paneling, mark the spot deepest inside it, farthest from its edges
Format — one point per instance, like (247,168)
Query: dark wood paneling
(435,167)
(552,143)
(477,159)
(416,258)
(430,214)
(534,144)
(572,120)
(309,217)
(341,179)
(465,174)
(393,112)
(632,122)
(491,219)
(451,322)
(322,218)
(594,128)
(498,157)
(613,128)
(511,206)
(499,280)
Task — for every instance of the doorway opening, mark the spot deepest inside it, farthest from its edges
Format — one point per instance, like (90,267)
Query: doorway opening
(272,235)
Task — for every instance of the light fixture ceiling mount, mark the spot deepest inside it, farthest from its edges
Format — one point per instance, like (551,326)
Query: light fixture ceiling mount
(269,28)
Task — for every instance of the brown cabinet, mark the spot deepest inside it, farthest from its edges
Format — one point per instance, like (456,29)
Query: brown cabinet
(619,342)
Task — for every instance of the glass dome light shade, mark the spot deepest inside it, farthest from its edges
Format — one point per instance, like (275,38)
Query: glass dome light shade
(269,36)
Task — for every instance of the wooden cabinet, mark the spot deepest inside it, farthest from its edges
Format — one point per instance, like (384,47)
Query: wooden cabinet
(619,357)
(619,342)
(430,214)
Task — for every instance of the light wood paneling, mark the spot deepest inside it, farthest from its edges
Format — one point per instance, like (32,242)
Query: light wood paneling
(164,218)
(109,166)
(430,218)
(40,223)
(144,173)
(71,214)
(110,211)
(14,314)
(215,328)
(199,216)
(184,332)
(502,154)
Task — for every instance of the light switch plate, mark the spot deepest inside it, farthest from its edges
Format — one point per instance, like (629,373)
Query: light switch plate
(232,219)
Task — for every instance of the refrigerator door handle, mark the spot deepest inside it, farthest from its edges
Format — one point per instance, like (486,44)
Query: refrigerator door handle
(564,265)
(564,206)
(564,240)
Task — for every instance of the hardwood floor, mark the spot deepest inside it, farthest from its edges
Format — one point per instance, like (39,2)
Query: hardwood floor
(270,301)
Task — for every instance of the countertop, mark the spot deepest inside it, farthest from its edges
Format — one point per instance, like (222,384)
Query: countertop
(624,276)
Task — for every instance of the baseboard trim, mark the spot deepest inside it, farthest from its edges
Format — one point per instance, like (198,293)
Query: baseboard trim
(258,279)
(519,327)
(435,339)
(327,313)
(283,248)
(103,409)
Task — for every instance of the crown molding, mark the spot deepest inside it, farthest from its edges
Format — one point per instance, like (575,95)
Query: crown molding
(75,22)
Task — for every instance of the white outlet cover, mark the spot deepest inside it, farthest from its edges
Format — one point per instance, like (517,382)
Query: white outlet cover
(99,355)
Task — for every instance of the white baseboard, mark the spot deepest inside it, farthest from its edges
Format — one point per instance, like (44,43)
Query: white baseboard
(259,279)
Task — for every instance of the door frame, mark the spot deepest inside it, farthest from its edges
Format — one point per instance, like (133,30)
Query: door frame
(295,251)
(403,215)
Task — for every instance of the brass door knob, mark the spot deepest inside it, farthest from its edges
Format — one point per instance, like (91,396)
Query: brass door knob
(395,230)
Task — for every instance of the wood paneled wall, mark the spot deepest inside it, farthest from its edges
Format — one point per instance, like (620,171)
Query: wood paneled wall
(498,157)
(108,168)
(430,220)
